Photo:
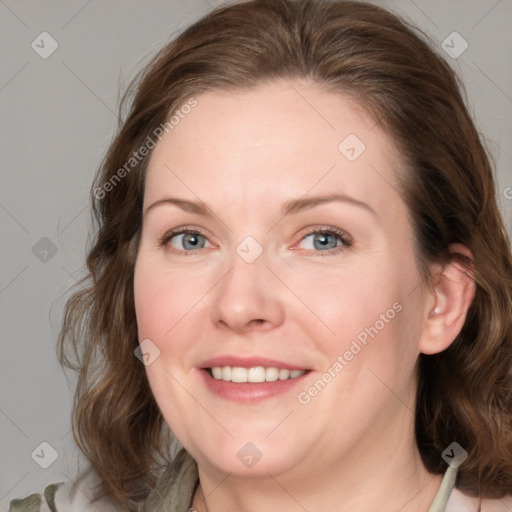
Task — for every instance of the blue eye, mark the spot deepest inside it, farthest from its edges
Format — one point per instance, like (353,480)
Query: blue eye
(323,241)
(192,240)
(327,240)
(185,240)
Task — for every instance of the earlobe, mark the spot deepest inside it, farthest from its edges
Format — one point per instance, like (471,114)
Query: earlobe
(452,292)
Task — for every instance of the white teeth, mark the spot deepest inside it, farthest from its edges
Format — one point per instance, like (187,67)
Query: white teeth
(226,373)
(271,374)
(284,374)
(255,374)
(239,374)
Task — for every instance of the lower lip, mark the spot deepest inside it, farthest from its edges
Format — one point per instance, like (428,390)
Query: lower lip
(249,392)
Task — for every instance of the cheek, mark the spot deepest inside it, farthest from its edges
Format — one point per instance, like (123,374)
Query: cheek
(164,298)
(347,301)
(152,303)
(366,312)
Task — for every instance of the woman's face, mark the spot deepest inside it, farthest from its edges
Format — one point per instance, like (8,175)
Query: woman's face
(253,175)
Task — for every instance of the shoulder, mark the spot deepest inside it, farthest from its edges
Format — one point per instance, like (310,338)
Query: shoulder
(65,497)
(460,502)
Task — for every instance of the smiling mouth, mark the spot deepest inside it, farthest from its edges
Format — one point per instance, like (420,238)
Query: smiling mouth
(257,374)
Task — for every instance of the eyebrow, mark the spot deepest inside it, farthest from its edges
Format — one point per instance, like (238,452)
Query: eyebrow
(304,203)
(289,207)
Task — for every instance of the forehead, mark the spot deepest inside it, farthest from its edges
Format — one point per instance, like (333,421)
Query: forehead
(274,141)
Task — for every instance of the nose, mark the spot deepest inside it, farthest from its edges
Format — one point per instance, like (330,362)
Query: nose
(247,298)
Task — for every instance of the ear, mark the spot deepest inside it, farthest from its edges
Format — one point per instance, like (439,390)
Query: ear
(451,294)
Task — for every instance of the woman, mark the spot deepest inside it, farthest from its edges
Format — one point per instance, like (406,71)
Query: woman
(301,272)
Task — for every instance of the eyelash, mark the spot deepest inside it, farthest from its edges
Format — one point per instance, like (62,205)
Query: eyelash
(345,239)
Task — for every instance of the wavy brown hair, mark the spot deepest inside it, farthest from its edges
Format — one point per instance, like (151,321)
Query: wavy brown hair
(357,49)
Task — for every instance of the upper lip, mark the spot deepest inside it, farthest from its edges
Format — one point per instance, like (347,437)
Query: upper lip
(249,362)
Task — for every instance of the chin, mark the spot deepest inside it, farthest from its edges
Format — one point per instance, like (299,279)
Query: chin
(244,456)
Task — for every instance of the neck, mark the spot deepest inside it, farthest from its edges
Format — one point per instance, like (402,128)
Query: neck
(378,479)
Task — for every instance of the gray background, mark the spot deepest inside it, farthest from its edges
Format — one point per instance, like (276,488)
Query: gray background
(58,117)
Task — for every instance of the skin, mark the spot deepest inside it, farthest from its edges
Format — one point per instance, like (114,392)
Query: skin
(244,154)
